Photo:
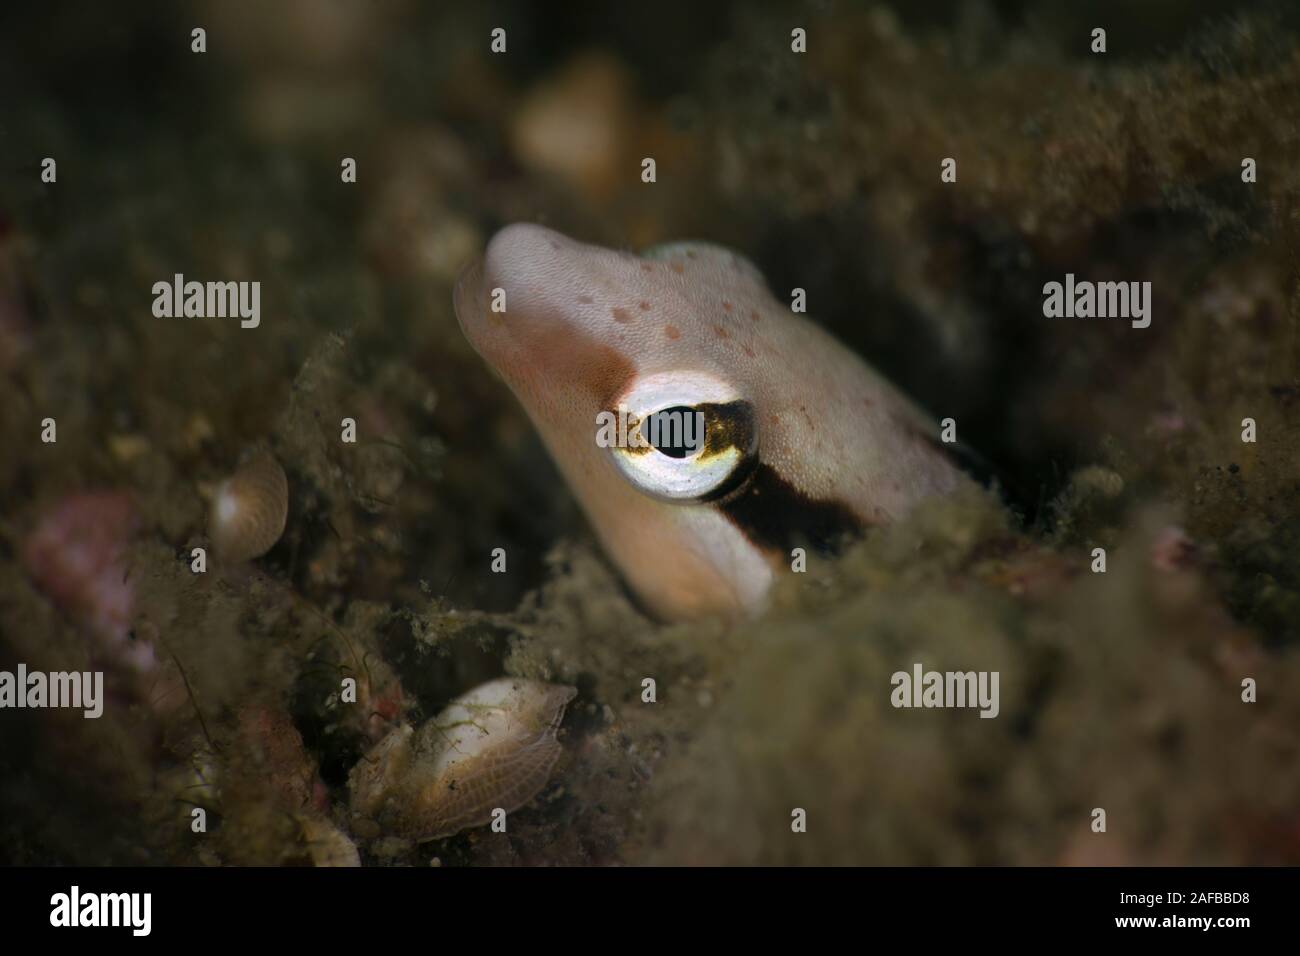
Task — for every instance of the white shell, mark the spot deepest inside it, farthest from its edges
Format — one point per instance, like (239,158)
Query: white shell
(249,509)
(491,748)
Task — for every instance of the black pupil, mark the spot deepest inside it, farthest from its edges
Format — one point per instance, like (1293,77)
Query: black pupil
(676,432)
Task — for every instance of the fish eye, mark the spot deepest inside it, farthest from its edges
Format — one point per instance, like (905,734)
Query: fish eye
(689,437)
(677,432)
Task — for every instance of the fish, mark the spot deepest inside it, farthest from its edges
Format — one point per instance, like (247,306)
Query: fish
(804,445)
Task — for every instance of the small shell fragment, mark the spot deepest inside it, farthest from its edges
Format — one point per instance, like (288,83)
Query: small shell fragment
(249,509)
(491,748)
(326,844)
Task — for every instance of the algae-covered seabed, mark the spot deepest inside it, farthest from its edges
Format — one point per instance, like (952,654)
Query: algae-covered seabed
(1119,690)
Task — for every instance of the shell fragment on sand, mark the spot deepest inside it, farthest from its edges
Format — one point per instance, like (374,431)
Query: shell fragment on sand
(490,749)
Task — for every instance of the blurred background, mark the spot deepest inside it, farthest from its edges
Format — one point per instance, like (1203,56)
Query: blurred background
(1121,690)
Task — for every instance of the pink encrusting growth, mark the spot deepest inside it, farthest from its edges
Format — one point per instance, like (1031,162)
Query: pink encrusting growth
(76,554)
